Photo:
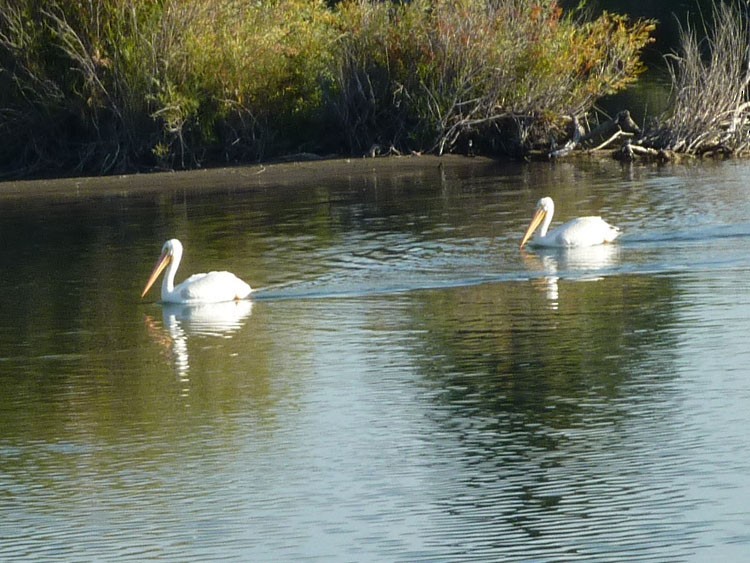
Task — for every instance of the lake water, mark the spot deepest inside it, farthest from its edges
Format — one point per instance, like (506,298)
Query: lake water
(406,385)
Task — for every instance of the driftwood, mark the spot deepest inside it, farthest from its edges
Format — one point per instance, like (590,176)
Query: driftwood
(621,138)
(571,145)
(621,126)
(612,128)
(628,152)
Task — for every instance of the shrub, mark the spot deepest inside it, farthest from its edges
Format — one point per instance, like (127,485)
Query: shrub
(257,70)
(83,78)
(108,85)
(427,73)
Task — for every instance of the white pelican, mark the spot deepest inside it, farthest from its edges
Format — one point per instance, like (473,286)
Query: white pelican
(213,287)
(584,231)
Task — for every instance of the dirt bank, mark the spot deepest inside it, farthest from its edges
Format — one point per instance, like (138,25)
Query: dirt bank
(303,172)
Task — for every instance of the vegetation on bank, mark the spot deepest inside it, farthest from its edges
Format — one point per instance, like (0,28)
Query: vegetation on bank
(710,108)
(102,86)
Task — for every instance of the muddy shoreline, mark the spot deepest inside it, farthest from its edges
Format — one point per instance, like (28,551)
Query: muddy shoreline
(257,176)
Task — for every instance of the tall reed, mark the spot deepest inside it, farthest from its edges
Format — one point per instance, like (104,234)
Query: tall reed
(710,107)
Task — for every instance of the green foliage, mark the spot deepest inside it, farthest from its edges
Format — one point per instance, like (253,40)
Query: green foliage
(109,85)
(451,67)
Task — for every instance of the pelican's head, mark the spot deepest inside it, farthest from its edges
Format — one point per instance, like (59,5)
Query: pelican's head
(545,207)
(170,252)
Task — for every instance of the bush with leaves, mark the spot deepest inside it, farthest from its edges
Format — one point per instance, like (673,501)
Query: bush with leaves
(425,73)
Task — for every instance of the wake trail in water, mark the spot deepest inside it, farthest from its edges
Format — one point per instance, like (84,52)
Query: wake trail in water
(321,290)
(704,234)
(383,271)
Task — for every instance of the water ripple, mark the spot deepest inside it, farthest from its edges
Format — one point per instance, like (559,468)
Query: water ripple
(406,385)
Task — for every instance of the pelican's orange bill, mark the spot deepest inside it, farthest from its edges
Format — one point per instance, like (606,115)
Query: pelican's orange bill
(535,221)
(160,265)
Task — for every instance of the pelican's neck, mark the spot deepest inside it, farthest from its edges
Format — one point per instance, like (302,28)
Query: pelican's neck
(549,212)
(167,284)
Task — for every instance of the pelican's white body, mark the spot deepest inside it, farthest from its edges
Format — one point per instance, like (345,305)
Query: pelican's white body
(583,231)
(211,287)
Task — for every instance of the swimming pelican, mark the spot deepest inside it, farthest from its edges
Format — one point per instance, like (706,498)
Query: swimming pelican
(213,287)
(584,231)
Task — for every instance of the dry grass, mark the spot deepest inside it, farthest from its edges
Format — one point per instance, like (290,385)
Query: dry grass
(710,109)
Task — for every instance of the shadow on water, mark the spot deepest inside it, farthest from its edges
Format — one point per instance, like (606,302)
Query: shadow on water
(540,402)
(513,348)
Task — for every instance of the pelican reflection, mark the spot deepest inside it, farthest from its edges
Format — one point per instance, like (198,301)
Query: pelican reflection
(586,263)
(181,322)
(208,319)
